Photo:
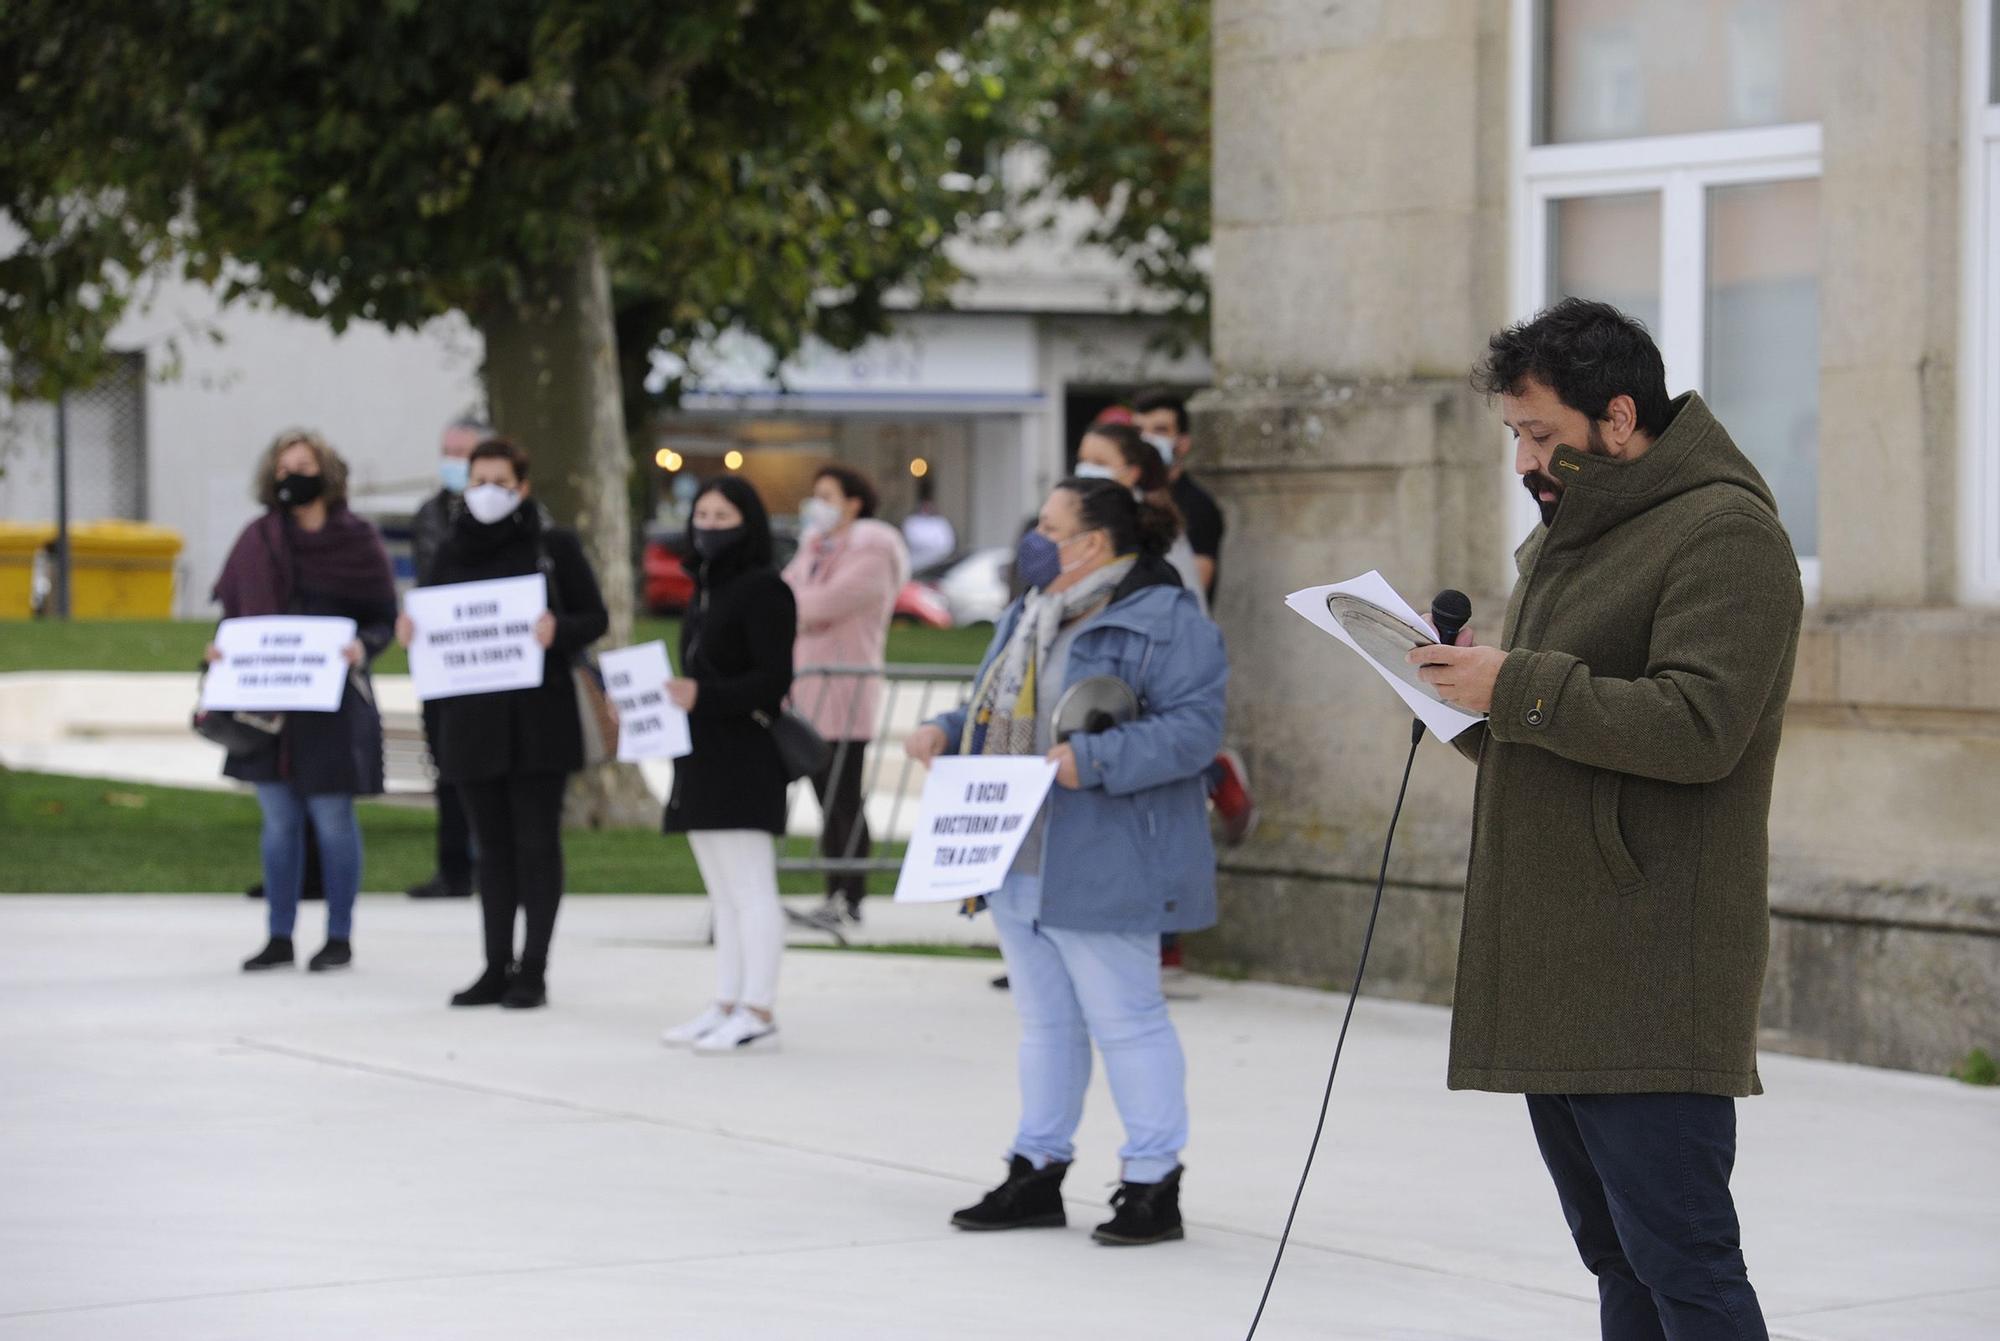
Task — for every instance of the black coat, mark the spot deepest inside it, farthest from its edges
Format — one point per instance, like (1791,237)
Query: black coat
(737,647)
(520,732)
(340,751)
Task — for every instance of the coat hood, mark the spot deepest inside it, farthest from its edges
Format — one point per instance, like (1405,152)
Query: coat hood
(1695,452)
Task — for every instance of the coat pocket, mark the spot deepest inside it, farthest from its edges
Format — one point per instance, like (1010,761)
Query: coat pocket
(1605,790)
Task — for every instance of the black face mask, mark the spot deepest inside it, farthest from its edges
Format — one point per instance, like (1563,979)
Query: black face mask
(295,491)
(711,541)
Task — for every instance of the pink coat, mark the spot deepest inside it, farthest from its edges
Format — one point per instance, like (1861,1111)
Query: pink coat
(846,589)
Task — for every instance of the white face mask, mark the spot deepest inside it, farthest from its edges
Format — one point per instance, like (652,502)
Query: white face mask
(816,514)
(1090,470)
(490,503)
(1162,444)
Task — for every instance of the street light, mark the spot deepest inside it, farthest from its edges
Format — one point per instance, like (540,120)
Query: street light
(668,459)
(734,459)
(920,468)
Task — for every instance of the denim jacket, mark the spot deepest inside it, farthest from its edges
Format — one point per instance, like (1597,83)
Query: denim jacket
(1129,850)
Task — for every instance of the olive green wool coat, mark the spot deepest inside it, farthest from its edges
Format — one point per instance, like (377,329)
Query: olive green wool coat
(1617,914)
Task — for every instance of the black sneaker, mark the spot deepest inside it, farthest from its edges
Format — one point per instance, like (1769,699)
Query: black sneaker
(336,954)
(277,953)
(437,887)
(487,991)
(1031,1198)
(1145,1213)
(526,990)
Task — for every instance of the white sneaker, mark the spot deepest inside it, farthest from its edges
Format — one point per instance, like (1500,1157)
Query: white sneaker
(740,1031)
(687,1035)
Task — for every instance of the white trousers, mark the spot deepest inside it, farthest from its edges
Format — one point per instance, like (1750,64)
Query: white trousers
(740,868)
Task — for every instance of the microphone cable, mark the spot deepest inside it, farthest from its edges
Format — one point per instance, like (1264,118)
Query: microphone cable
(1354,994)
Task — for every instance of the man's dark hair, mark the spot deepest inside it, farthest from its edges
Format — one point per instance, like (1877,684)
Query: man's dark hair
(502,449)
(1159,398)
(1587,353)
(853,484)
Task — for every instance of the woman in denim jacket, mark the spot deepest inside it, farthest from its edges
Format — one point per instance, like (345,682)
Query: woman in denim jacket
(1120,853)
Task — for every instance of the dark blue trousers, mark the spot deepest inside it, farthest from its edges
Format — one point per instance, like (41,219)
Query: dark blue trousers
(1644,1183)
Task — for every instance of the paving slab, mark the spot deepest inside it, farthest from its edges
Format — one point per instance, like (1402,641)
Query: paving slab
(193,1152)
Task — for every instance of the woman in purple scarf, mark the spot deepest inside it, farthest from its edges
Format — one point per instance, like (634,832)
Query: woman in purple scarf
(309,555)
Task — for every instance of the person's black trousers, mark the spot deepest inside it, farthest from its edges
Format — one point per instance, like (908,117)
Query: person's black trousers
(518,824)
(844,832)
(1644,1184)
(454,826)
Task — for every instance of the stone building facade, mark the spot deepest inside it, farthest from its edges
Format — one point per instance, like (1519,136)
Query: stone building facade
(1802,199)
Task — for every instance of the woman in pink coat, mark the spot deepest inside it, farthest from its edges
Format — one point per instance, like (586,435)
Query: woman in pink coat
(845,577)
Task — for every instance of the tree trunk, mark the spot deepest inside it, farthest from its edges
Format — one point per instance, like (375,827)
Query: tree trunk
(552,385)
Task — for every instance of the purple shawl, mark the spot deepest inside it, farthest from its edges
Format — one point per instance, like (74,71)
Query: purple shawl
(274,559)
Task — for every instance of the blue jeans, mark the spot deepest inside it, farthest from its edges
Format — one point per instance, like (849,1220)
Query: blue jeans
(1075,988)
(286,813)
(1644,1183)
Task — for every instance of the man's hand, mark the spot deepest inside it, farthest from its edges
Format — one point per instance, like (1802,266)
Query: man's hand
(925,743)
(1463,674)
(1064,758)
(545,629)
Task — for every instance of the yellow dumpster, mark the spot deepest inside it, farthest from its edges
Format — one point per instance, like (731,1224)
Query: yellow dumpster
(122,570)
(19,542)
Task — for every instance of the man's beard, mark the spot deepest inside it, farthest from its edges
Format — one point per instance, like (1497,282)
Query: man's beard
(1538,482)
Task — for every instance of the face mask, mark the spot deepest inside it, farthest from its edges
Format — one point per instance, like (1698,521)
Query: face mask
(1090,470)
(1162,444)
(295,491)
(816,514)
(710,541)
(490,503)
(452,472)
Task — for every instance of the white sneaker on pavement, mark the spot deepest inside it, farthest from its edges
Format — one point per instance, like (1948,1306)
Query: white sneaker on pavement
(687,1035)
(740,1032)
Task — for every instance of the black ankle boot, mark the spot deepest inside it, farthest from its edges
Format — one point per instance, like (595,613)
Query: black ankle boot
(526,990)
(1031,1198)
(488,991)
(277,953)
(336,954)
(1146,1213)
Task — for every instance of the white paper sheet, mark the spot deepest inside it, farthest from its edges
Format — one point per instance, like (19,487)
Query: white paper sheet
(1442,720)
(976,812)
(279,663)
(476,637)
(649,725)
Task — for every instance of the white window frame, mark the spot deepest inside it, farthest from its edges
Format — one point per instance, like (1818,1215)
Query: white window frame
(1979,331)
(1680,169)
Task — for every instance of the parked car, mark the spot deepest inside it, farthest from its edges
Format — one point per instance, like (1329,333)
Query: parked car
(922,603)
(977,587)
(668,588)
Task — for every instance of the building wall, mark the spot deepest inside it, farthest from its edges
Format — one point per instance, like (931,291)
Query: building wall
(1363,235)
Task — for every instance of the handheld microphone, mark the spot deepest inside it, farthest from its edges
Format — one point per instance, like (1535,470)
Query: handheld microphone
(1450,610)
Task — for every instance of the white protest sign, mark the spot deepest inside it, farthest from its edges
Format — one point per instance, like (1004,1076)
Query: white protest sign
(1443,720)
(279,663)
(649,725)
(975,814)
(476,637)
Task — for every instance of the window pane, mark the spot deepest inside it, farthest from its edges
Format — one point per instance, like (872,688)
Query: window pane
(1762,351)
(1608,248)
(1617,69)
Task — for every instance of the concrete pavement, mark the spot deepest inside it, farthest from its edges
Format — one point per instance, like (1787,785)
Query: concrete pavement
(191,1152)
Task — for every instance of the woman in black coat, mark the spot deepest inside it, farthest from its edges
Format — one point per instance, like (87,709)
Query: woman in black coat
(309,555)
(729,794)
(510,753)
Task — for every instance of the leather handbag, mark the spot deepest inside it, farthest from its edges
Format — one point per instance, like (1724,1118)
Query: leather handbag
(596,714)
(801,750)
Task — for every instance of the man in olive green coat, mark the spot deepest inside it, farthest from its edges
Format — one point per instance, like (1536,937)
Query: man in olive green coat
(1616,913)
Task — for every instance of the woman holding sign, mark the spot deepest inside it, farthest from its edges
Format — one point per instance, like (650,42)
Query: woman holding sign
(1120,853)
(309,555)
(729,794)
(510,752)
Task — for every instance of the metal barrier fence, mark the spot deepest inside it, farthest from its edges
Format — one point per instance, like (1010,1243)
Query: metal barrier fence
(910,696)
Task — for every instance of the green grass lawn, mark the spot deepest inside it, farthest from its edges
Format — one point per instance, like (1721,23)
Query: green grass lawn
(176,645)
(62,835)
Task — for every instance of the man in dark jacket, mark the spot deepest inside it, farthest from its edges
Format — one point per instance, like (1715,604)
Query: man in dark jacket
(428,529)
(1616,910)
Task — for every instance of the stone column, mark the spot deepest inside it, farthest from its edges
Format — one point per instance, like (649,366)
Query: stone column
(1360,262)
